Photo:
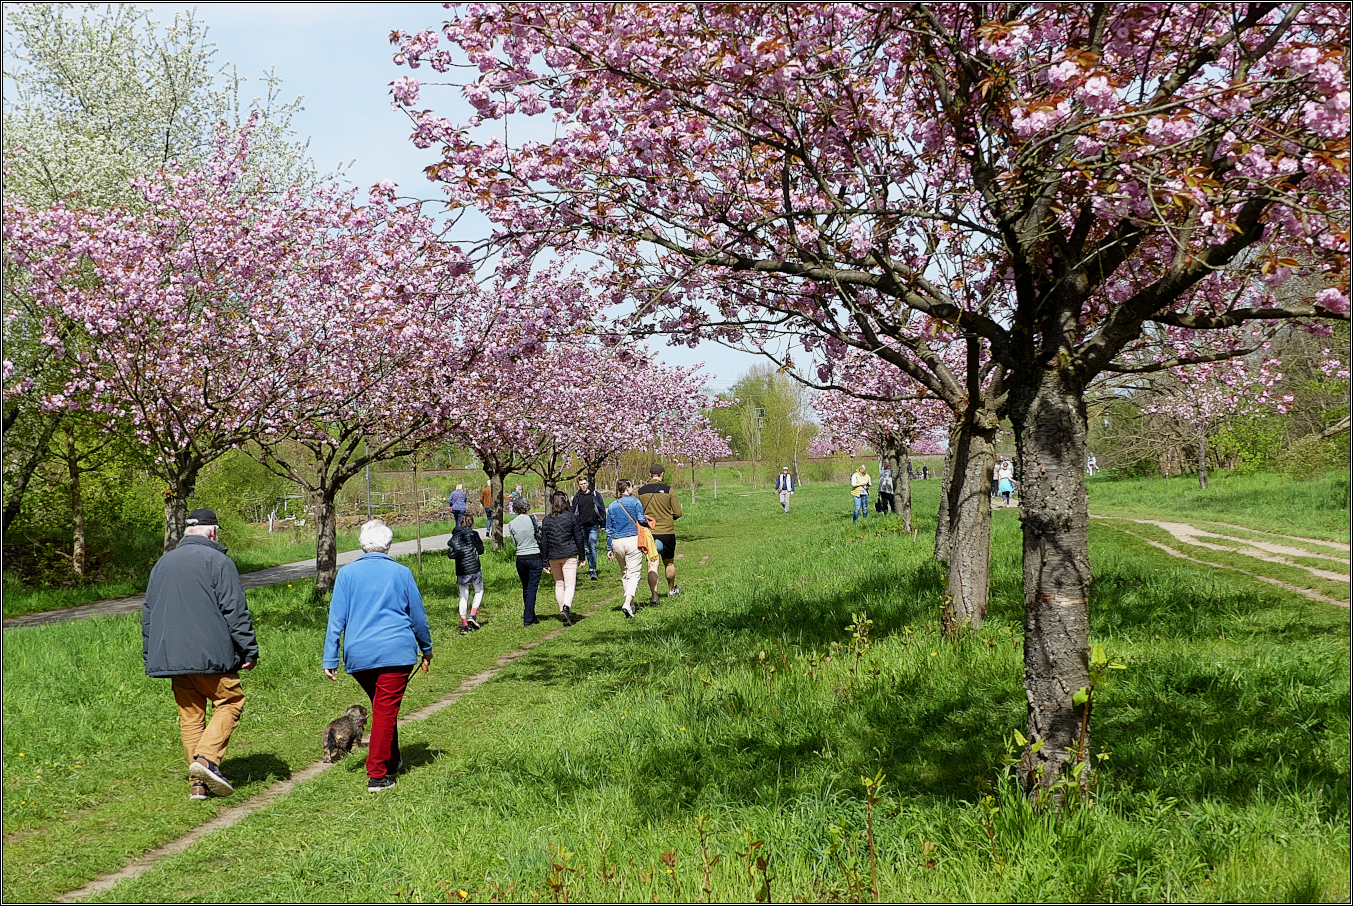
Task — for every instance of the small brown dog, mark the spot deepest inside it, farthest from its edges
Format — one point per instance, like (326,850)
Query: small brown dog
(344,734)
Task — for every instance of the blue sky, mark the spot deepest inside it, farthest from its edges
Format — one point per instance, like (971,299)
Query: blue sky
(337,56)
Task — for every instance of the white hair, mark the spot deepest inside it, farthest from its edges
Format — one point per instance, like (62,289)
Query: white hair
(375,536)
(206,531)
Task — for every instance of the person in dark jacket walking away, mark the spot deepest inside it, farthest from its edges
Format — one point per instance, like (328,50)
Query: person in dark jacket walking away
(378,613)
(197,631)
(590,511)
(664,508)
(524,531)
(563,540)
(465,547)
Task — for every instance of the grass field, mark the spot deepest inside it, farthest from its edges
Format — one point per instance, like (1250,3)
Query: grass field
(665,757)
(259,550)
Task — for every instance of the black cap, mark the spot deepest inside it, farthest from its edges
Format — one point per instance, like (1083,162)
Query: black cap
(202,517)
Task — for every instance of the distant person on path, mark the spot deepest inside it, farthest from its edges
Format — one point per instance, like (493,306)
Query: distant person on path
(886,502)
(378,612)
(590,511)
(785,485)
(925,472)
(1005,476)
(859,489)
(196,630)
(524,530)
(465,547)
(458,502)
(486,498)
(1091,465)
(563,540)
(623,518)
(663,509)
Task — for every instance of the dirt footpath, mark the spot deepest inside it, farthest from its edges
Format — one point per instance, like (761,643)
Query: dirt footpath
(1334,566)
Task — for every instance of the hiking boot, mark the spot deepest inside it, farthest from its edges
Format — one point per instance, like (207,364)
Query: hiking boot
(379,784)
(197,790)
(211,775)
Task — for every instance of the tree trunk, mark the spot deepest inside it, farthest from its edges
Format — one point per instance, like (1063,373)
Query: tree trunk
(1202,460)
(36,457)
(326,540)
(77,509)
(969,562)
(500,507)
(902,491)
(175,514)
(942,527)
(1050,430)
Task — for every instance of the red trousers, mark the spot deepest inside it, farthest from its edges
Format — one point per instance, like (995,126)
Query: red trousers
(385,687)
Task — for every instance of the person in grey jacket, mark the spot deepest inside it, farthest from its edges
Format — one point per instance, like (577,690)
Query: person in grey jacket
(524,531)
(197,631)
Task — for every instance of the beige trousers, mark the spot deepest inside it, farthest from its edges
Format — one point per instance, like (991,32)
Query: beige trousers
(192,692)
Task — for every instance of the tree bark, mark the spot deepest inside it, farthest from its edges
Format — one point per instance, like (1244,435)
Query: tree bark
(326,540)
(968,590)
(36,457)
(175,514)
(1202,460)
(77,508)
(902,494)
(1049,417)
(499,506)
(942,524)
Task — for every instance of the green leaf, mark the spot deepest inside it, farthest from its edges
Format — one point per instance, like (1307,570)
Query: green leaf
(1081,697)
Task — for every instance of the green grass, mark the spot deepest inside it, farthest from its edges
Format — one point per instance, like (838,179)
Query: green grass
(257,550)
(1312,508)
(584,770)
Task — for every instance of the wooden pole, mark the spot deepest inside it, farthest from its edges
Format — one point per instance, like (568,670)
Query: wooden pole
(418,513)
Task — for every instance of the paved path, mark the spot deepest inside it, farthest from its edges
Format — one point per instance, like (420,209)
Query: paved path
(287,572)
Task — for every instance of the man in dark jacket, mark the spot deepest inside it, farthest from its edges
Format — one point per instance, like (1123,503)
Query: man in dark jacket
(590,511)
(196,630)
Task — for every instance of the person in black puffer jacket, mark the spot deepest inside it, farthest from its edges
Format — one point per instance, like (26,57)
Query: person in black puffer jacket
(562,539)
(465,547)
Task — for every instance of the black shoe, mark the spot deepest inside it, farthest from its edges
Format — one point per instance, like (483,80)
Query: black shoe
(592,574)
(653,601)
(566,614)
(474,624)
(379,784)
(211,775)
(465,629)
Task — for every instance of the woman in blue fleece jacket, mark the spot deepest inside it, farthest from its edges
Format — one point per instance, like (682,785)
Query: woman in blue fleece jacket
(378,611)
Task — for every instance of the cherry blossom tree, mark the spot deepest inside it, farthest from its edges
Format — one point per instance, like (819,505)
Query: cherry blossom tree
(190,312)
(1035,182)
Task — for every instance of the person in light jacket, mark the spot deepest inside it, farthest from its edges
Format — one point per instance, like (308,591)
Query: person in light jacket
(623,518)
(859,490)
(377,612)
(785,485)
(524,530)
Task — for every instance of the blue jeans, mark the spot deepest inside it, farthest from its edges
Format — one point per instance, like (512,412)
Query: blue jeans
(590,546)
(488,522)
(861,508)
(528,570)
